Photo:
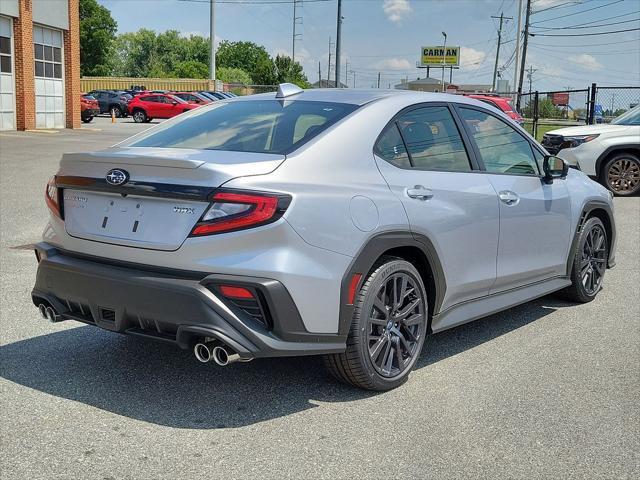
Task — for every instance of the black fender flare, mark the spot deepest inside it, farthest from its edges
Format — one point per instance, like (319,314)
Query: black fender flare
(613,149)
(589,207)
(375,247)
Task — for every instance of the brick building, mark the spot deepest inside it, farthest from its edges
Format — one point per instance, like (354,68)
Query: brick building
(39,64)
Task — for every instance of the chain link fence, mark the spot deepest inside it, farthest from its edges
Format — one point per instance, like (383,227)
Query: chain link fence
(611,102)
(544,111)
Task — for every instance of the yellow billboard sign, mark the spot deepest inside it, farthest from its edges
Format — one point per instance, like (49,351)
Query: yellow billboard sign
(435,56)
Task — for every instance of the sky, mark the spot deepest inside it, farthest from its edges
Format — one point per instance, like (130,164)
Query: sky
(386,36)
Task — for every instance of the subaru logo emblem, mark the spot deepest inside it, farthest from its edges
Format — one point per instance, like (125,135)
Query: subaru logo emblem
(116,176)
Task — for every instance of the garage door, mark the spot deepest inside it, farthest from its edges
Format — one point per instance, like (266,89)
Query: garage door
(47,48)
(7,82)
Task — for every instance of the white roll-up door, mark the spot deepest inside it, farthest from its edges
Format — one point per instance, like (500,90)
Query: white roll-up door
(49,73)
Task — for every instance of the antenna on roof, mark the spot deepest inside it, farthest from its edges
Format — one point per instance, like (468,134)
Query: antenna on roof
(287,89)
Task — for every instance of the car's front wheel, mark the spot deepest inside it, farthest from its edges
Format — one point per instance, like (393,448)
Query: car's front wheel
(139,116)
(621,174)
(388,328)
(115,112)
(589,262)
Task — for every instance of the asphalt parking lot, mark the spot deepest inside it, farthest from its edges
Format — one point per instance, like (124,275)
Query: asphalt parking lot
(544,390)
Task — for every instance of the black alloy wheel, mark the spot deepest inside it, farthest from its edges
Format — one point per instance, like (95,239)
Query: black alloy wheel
(593,260)
(590,259)
(394,325)
(388,328)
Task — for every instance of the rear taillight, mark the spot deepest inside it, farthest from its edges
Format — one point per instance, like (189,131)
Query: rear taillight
(231,211)
(52,198)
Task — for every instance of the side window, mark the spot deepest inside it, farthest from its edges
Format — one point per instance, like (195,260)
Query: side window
(390,147)
(307,125)
(502,148)
(152,98)
(433,140)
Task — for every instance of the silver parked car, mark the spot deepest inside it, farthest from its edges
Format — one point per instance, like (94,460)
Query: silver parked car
(345,223)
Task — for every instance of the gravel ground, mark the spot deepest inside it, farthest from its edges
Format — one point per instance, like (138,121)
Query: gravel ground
(544,390)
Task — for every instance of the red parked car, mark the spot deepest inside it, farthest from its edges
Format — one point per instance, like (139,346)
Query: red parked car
(501,103)
(146,107)
(89,107)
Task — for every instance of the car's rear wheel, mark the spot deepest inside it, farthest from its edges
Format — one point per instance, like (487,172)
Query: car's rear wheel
(388,328)
(621,174)
(589,263)
(139,116)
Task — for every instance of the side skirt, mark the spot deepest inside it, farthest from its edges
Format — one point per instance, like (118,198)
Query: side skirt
(474,309)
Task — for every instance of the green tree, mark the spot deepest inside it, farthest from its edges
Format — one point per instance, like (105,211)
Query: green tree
(250,57)
(290,72)
(233,75)
(97,35)
(191,69)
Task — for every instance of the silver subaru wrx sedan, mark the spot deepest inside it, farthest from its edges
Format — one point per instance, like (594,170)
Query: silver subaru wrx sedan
(346,223)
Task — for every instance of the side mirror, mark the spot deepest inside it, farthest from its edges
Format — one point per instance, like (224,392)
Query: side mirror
(554,167)
(174,103)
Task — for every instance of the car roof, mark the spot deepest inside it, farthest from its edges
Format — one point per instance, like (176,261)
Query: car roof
(362,96)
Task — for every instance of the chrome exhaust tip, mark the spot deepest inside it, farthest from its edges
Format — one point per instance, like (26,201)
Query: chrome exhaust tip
(51,315)
(202,351)
(223,356)
(43,310)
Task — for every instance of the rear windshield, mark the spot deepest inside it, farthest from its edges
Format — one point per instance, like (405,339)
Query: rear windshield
(261,126)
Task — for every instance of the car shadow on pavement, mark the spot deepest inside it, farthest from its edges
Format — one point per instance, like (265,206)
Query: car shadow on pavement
(161,384)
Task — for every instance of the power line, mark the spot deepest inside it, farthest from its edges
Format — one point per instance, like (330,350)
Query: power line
(588,45)
(563,5)
(578,13)
(575,27)
(581,34)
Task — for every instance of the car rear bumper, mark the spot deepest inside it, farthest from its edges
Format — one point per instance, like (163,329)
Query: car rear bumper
(174,306)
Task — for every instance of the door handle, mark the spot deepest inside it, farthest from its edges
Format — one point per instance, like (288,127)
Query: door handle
(419,192)
(508,197)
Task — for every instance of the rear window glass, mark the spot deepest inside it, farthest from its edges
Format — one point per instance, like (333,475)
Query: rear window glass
(261,126)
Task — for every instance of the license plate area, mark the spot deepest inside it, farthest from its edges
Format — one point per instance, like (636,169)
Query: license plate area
(147,222)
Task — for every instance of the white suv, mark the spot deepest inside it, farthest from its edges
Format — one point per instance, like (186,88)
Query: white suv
(608,152)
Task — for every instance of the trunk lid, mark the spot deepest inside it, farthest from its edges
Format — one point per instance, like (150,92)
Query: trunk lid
(165,195)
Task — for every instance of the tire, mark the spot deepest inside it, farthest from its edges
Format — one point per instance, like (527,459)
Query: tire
(374,338)
(115,111)
(589,263)
(148,120)
(621,174)
(139,116)
(87,119)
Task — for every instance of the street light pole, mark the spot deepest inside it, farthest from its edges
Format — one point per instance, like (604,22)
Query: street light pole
(338,41)
(444,54)
(212,41)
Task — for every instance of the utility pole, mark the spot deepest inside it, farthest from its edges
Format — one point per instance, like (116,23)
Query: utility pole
(495,68)
(319,75)
(354,78)
(444,56)
(338,40)
(530,71)
(346,72)
(378,79)
(524,49)
(212,41)
(515,69)
(329,64)
(296,21)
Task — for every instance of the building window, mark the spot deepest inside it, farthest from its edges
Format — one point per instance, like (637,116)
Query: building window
(47,49)
(5,55)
